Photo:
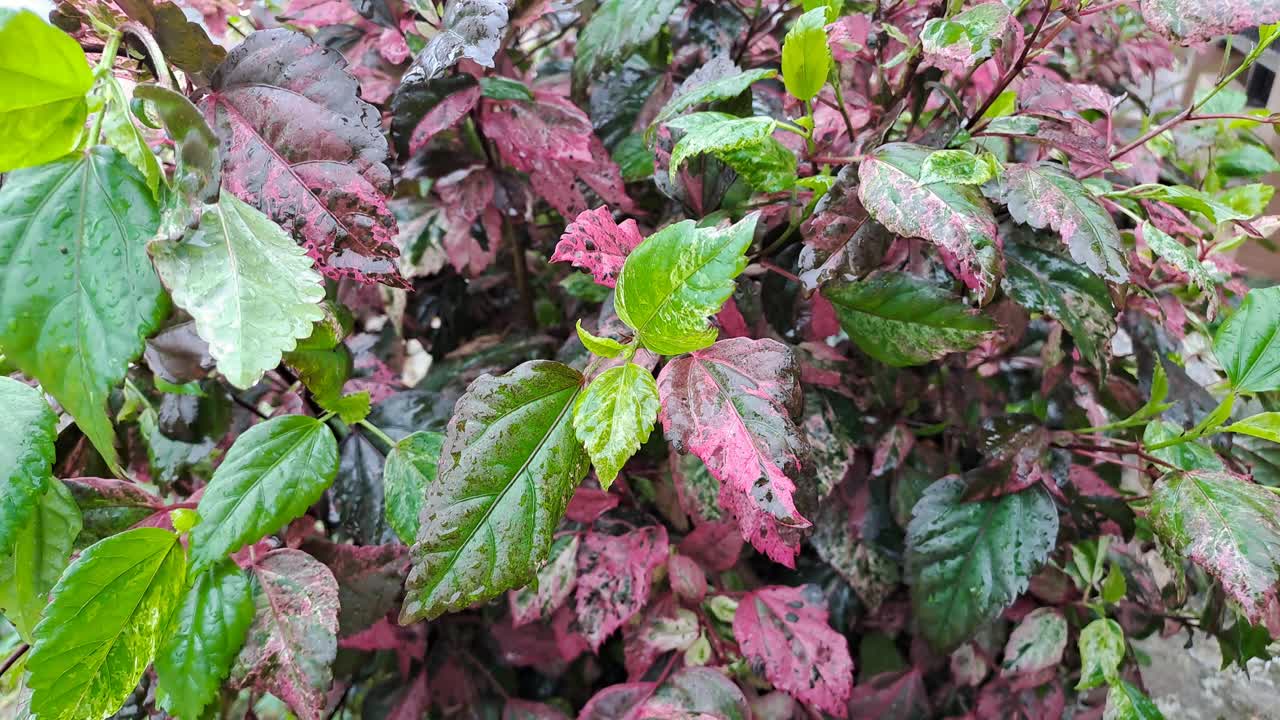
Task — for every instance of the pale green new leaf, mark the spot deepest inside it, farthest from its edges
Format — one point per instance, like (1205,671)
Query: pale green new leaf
(745,144)
(806,57)
(1186,198)
(411,468)
(44,77)
(954,166)
(37,557)
(271,475)
(203,640)
(614,417)
(29,429)
(1248,343)
(249,287)
(1126,702)
(1037,642)
(104,624)
(604,347)
(1101,651)
(677,278)
(1190,455)
(1263,425)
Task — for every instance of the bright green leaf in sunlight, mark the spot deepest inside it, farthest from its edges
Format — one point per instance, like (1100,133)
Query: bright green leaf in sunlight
(44,77)
(614,417)
(806,57)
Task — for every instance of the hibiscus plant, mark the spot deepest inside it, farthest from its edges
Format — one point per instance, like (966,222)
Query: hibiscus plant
(631,359)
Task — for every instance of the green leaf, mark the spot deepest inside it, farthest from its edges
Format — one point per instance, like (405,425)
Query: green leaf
(271,475)
(745,144)
(954,166)
(504,88)
(615,30)
(80,293)
(411,468)
(1190,455)
(1248,343)
(33,564)
(1249,200)
(197,175)
(119,131)
(604,347)
(724,88)
(956,218)
(1178,255)
(971,35)
(1101,651)
(104,624)
(1043,281)
(1250,161)
(509,465)
(614,417)
(1114,586)
(1263,425)
(1126,702)
(44,77)
(968,561)
(203,640)
(249,287)
(677,278)
(902,320)
(1184,197)
(806,57)
(1227,526)
(1036,643)
(325,372)
(30,428)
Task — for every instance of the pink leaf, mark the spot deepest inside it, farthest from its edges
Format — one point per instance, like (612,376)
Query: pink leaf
(1195,21)
(714,544)
(597,244)
(783,632)
(614,573)
(587,504)
(443,116)
(617,702)
(891,694)
(688,581)
(526,710)
(415,702)
(466,196)
(556,582)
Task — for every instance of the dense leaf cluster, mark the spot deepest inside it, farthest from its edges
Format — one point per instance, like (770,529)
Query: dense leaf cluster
(628,359)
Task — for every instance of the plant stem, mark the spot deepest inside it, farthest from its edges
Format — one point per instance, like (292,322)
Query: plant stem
(105,64)
(153,51)
(520,269)
(377,433)
(1013,72)
(9,661)
(844,113)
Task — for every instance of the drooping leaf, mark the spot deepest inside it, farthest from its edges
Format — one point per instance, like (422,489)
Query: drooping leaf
(1227,526)
(293,639)
(972,35)
(733,405)
(35,559)
(410,470)
(1036,643)
(745,144)
(956,218)
(1047,196)
(1246,343)
(271,475)
(79,291)
(968,561)
(104,624)
(556,583)
(300,145)
(614,417)
(184,42)
(203,640)
(1126,702)
(509,465)
(26,458)
(1191,22)
(247,285)
(1101,652)
(471,29)
(325,373)
(806,57)
(1042,281)
(784,630)
(197,175)
(616,29)
(902,320)
(711,86)
(44,77)
(679,277)
(597,244)
(614,574)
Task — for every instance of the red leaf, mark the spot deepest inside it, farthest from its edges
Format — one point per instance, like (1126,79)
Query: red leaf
(587,504)
(299,144)
(415,702)
(526,710)
(614,573)
(783,632)
(533,645)
(443,116)
(891,695)
(597,244)
(715,544)
(467,195)
(688,581)
(732,406)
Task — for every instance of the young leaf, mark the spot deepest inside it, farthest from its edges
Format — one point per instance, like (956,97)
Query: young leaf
(271,475)
(614,575)
(1047,196)
(1227,526)
(1191,23)
(1186,198)
(26,457)
(901,320)
(1036,643)
(293,640)
(44,77)
(677,278)
(968,561)
(960,167)
(80,293)
(471,29)
(732,405)
(601,346)
(1246,343)
(711,86)
(784,630)
(508,468)
(616,29)
(1101,652)
(203,640)
(1263,425)
(35,559)
(806,57)
(1042,281)
(247,285)
(104,624)
(1126,702)
(300,145)
(1179,256)
(614,417)
(411,468)
(597,244)
(956,218)
(745,144)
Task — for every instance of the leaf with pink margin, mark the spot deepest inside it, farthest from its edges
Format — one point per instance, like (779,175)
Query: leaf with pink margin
(528,710)
(420,110)
(294,637)
(956,218)
(597,244)
(617,702)
(369,580)
(783,633)
(614,573)
(715,544)
(555,584)
(414,702)
(1191,22)
(467,195)
(733,405)
(698,693)
(891,695)
(300,145)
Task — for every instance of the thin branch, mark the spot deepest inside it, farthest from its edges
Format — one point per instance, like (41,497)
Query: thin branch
(17,654)
(1013,72)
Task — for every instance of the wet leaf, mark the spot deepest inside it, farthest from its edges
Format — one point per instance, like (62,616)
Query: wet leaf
(1245,344)
(26,458)
(955,166)
(410,469)
(369,580)
(597,244)
(1036,643)
(614,574)
(1126,702)
(556,583)
(719,79)
(109,506)
(614,417)
(958,41)
(39,551)
(197,174)
(44,77)
(422,109)
(1043,281)
(184,43)
(615,30)
(471,29)
(745,144)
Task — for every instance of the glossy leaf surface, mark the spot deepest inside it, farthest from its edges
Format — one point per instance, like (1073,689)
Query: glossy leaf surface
(1246,344)
(806,58)
(44,77)
(614,417)
(1043,281)
(26,458)
(37,556)
(411,468)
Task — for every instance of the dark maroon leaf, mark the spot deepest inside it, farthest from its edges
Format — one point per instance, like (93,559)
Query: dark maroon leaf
(369,580)
(892,696)
(184,43)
